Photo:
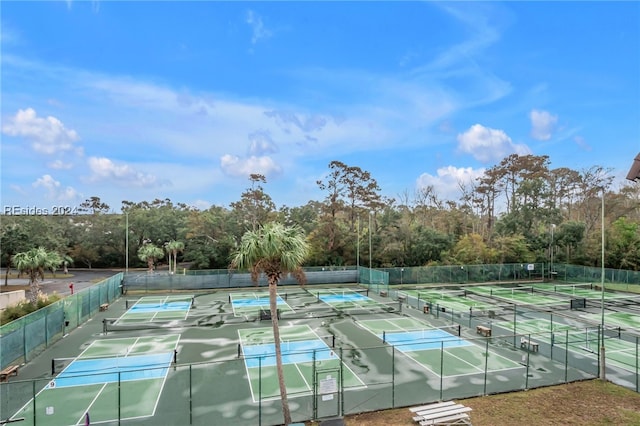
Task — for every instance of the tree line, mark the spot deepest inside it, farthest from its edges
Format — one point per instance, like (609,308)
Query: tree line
(519,210)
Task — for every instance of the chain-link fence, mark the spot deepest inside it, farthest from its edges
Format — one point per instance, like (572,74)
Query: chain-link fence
(21,340)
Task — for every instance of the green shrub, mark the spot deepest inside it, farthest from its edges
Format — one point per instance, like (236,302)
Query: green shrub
(13,312)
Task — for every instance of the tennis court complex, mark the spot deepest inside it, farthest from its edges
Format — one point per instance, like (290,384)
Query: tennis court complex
(189,357)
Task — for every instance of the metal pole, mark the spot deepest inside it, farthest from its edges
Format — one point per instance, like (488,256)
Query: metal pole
(602,349)
(126,254)
(370,213)
(553,226)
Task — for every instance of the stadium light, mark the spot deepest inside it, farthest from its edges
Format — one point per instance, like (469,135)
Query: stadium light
(634,171)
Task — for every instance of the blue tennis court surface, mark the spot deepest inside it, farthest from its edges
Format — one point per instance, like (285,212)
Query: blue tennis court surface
(345,297)
(109,370)
(154,307)
(420,340)
(256,302)
(293,352)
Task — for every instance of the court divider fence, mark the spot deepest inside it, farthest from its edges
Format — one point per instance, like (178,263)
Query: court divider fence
(23,339)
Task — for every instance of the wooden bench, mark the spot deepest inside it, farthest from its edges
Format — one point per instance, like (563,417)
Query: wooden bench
(104,307)
(529,345)
(11,370)
(485,331)
(442,413)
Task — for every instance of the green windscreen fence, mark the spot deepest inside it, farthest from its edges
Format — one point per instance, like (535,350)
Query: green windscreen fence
(21,340)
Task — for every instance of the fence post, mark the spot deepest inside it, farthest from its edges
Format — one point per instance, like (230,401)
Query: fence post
(190,394)
(260,391)
(441,367)
(566,355)
(486,365)
(393,377)
(341,379)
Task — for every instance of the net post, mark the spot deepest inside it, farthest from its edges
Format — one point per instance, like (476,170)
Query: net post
(53,366)
(459,330)
(239,350)
(104,326)
(175,356)
(384,336)
(333,340)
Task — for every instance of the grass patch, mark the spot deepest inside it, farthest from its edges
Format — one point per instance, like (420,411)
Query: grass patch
(590,402)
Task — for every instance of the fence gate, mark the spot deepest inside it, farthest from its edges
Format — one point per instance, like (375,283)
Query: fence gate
(326,399)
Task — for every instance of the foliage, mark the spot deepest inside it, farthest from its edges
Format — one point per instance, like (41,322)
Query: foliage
(25,307)
(512,206)
(274,249)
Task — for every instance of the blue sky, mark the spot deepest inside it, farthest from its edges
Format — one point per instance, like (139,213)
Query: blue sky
(183,100)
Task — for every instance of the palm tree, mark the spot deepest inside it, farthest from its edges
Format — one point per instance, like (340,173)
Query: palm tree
(34,262)
(174,247)
(150,253)
(274,250)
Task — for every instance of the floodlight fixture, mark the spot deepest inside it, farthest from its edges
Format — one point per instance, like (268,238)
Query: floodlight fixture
(634,171)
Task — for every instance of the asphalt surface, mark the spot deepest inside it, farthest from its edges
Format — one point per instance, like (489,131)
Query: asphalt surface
(80,278)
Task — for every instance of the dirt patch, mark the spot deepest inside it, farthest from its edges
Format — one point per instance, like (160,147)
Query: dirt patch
(589,403)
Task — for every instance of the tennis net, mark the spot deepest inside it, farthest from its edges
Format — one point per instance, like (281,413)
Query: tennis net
(93,365)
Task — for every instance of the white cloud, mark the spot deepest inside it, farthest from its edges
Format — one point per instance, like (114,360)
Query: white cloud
(257,26)
(47,135)
(54,189)
(60,165)
(486,144)
(105,169)
(243,167)
(543,124)
(447,181)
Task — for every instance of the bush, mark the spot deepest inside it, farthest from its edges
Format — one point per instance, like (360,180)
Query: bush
(12,313)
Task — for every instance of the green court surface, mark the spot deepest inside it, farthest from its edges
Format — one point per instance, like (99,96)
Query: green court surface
(455,301)
(304,356)
(437,350)
(584,290)
(625,320)
(157,309)
(250,303)
(517,295)
(109,377)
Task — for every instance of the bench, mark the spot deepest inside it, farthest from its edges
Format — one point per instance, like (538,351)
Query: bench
(485,331)
(11,370)
(104,307)
(442,413)
(529,345)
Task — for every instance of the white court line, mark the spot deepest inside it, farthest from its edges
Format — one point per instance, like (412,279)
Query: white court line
(91,404)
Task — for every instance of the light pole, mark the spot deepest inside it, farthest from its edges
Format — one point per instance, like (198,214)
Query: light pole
(370,214)
(126,243)
(553,226)
(358,251)
(401,271)
(602,349)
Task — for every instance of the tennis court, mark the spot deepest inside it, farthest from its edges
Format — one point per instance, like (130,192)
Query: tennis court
(123,375)
(345,299)
(248,303)
(441,351)
(452,300)
(517,295)
(303,353)
(155,308)
(625,320)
